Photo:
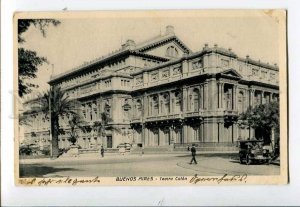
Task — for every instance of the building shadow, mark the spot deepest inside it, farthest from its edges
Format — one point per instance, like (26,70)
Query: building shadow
(254,163)
(38,170)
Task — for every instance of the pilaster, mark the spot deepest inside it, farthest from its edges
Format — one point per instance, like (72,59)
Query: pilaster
(145,111)
(251,96)
(185,68)
(185,99)
(171,97)
(185,133)
(145,78)
(219,94)
(213,94)
(234,97)
(202,97)
(206,96)
(161,137)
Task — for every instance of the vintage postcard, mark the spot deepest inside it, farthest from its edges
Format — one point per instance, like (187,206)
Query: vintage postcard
(191,97)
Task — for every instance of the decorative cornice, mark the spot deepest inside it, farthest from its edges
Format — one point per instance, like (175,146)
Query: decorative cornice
(164,41)
(258,63)
(89,66)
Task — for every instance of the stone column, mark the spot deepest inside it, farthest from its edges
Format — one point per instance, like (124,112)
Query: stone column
(161,137)
(251,97)
(143,135)
(185,99)
(219,131)
(235,132)
(222,95)
(147,137)
(271,97)
(172,136)
(185,133)
(213,94)
(219,94)
(206,95)
(202,132)
(251,133)
(145,78)
(214,131)
(234,97)
(170,102)
(145,106)
(201,95)
(262,97)
(159,104)
(185,68)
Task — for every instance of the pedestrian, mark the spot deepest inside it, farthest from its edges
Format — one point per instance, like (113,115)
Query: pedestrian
(193,150)
(188,147)
(102,151)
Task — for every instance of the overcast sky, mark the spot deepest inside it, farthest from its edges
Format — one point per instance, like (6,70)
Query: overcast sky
(77,40)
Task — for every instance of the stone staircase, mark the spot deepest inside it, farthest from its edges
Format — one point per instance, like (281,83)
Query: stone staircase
(180,148)
(152,149)
(92,150)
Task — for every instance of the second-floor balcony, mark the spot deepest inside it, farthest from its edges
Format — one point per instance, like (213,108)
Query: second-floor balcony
(136,120)
(193,114)
(166,117)
(230,112)
(163,117)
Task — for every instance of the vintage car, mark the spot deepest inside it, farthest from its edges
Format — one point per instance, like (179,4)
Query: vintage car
(253,151)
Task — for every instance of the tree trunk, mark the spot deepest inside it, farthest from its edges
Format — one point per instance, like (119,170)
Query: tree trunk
(54,131)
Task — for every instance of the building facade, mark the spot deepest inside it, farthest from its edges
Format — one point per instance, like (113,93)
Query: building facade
(160,94)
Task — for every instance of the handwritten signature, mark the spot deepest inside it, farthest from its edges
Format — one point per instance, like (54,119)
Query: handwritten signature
(68,180)
(224,178)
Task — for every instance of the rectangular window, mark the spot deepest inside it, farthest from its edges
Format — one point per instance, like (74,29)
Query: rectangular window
(264,74)
(254,72)
(224,62)
(154,76)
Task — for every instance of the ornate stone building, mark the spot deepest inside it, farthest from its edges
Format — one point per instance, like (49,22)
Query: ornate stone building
(160,94)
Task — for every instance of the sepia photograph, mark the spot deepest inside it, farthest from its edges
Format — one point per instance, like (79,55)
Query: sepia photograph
(177,97)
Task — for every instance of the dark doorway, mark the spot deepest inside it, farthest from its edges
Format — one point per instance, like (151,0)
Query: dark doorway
(109,141)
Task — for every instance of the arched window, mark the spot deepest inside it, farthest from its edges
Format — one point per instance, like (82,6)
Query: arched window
(172,52)
(138,107)
(228,97)
(166,103)
(241,102)
(177,107)
(196,99)
(155,105)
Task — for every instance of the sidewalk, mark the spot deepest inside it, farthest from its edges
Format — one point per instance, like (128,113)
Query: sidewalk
(113,156)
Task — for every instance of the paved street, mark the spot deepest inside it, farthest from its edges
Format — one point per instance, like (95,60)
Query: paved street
(146,165)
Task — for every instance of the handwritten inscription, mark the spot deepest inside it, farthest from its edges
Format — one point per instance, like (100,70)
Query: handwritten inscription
(163,179)
(225,178)
(68,181)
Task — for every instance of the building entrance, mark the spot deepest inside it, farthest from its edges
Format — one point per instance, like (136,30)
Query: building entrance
(109,141)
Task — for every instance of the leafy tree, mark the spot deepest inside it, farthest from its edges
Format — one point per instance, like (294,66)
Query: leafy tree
(58,104)
(76,122)
(101,126)
(41,24)
(28,66)
(263,118)
(29,61)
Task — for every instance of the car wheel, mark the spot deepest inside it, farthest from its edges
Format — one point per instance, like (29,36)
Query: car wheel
(241,160)
(248,160)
